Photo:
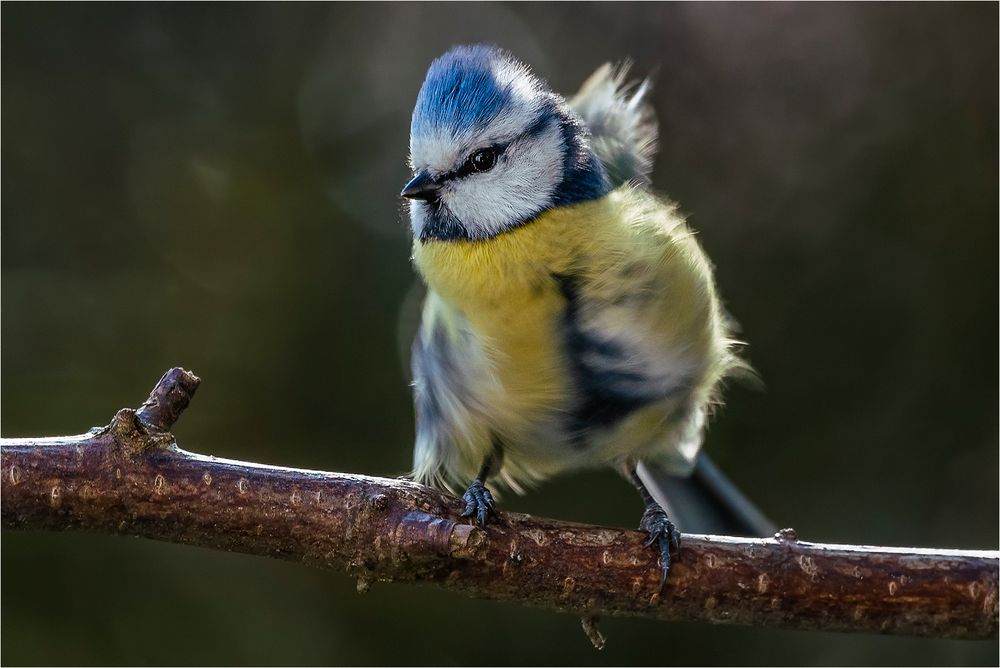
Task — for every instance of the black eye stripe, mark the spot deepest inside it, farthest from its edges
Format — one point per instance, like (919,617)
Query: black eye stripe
(545,119)
(468,167)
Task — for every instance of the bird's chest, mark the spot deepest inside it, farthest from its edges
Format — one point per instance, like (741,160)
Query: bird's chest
(520,334)
(511,300)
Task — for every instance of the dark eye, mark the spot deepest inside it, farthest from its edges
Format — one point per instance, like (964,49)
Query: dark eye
(483,160)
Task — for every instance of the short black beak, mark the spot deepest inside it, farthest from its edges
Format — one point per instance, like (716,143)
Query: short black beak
(422,186)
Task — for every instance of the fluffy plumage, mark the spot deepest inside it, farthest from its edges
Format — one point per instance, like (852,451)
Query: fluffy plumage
(621,122)
(572,318)
(530,337)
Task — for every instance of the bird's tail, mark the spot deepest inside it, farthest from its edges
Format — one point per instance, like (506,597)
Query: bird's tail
(621,122)
(706,501)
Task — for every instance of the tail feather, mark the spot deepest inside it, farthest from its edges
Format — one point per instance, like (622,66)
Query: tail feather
(706,502)
(621,122)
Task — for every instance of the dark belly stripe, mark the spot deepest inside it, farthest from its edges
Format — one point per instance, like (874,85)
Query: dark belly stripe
(606,390)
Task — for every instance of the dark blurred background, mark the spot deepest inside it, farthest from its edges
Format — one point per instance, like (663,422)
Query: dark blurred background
(216,186)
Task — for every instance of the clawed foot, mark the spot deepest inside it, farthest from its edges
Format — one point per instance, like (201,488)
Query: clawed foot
(479,503)
(662,531)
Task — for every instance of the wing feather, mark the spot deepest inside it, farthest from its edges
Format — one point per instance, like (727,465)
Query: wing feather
(622,123)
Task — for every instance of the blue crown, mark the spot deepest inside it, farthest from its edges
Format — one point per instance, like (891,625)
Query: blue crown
(461,91)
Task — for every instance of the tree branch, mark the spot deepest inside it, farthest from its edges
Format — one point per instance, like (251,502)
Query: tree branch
(131,478)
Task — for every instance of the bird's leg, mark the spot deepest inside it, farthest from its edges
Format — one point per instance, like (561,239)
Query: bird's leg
(658,526)
(478,500)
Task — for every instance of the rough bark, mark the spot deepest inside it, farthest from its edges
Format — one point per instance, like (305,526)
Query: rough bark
(131,478)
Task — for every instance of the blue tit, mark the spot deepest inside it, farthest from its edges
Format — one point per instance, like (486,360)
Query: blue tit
(572,319)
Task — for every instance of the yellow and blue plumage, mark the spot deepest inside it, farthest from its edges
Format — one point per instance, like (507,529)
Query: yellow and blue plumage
(572,318)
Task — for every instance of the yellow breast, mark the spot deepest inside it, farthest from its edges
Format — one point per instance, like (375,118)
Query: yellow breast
(506,289)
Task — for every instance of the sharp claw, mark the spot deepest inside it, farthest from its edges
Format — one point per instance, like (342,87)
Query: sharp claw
(479,503)
(661,531)
(664,560)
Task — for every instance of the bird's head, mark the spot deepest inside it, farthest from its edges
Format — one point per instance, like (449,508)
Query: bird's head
(491,147)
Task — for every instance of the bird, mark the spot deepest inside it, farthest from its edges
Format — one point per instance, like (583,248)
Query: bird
(571,320)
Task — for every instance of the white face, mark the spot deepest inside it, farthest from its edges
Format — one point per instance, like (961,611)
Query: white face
(520,184)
